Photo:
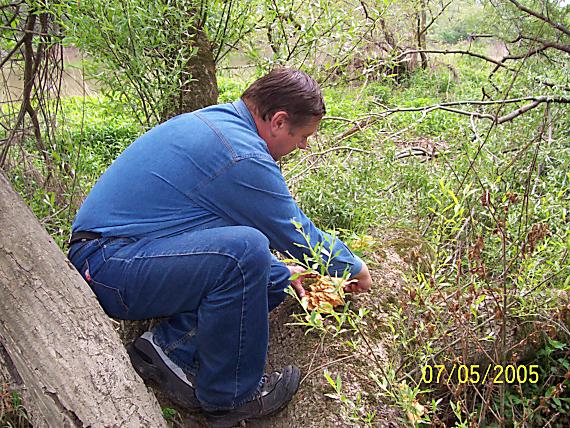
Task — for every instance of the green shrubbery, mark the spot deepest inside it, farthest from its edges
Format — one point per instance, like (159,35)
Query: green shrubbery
(93,132)
(492,207)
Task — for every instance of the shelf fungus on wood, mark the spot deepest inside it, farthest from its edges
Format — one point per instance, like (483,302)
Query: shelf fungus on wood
(325,292)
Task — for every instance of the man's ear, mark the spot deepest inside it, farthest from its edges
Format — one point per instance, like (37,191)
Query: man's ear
(279,120)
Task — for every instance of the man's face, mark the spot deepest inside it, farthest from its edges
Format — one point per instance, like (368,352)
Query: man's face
(286,138)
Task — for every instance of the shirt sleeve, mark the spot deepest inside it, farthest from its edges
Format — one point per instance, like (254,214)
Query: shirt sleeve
(252,192)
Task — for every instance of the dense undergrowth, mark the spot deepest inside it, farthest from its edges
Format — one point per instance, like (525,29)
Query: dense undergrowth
(488,203)
(487,300)
(12,411)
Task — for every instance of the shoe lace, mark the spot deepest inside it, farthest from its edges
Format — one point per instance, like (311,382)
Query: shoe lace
(268,383)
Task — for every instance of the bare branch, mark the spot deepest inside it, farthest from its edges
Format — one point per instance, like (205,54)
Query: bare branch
(551,85)
(468,113)
(358,126)
(316,156)
(553,24)
(12,52)
(27,31)
(535,101)
(518,112)
(433,18)
(415,151)
(558,46)
(541,98)
(452,51)
(29,75)
(475,36)
(365,9)
(545,45)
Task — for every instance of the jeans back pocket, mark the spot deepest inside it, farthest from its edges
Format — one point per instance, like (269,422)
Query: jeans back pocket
(110,298)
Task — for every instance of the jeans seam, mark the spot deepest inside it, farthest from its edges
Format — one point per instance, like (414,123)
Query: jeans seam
(115,291)
(186,254)
(102,249)
(240,332)
(125,257)
(173,346)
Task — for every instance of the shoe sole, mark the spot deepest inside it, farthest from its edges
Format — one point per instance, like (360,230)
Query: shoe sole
(155,370)
(230,421)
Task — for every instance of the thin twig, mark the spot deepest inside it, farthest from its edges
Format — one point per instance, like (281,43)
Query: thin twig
(538,15)
(322,366)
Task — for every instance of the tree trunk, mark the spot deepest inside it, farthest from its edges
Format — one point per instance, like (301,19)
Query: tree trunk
(58,342)
(421,33)
(202,88)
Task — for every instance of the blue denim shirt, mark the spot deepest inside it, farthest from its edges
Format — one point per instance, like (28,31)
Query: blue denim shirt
(205,169)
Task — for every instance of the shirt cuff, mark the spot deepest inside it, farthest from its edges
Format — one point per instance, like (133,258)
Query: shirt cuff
(356,267)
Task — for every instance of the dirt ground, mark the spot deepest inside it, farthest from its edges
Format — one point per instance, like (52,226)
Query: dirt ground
(290,345)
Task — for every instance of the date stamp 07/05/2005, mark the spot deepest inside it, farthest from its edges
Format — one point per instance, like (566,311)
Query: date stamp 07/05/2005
(476,374)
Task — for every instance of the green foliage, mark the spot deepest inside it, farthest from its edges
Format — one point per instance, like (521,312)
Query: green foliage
(318,258)
(12,412)
(508,21)
(359,191)
(514,245)
(338,195)
(140,45)
(100,129)
(93,133)
(462,19)
(494,208)
(230,89)
(169,413)
(356,409)
(379,92)
(324,319)
(333,323)
(318,36)
(140,51)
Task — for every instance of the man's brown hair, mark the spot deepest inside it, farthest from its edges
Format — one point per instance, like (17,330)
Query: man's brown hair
(285,89)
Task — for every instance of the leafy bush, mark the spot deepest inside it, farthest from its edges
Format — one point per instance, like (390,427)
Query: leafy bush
(463,19)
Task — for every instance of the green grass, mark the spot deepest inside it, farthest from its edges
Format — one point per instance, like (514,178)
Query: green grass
(12,413)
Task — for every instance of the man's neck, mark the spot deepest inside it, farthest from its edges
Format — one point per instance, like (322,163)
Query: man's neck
(261,125)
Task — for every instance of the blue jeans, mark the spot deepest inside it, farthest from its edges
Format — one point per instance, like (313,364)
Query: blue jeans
(215,288)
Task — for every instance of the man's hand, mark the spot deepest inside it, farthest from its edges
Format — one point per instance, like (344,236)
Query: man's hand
(359,283)
(363,281)
(297,283)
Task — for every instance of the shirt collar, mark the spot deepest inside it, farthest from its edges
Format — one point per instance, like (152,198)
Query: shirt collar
(245,114)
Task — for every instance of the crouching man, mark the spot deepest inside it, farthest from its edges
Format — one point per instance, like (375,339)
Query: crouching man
(180,227)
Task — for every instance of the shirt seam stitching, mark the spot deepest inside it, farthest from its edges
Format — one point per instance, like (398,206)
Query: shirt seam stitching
(221,136)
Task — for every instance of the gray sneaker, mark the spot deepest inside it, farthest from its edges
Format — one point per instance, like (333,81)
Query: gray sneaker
(151,363)
(275,393)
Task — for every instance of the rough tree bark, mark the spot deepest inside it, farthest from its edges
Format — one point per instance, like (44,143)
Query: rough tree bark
(202,90)
(58,341)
